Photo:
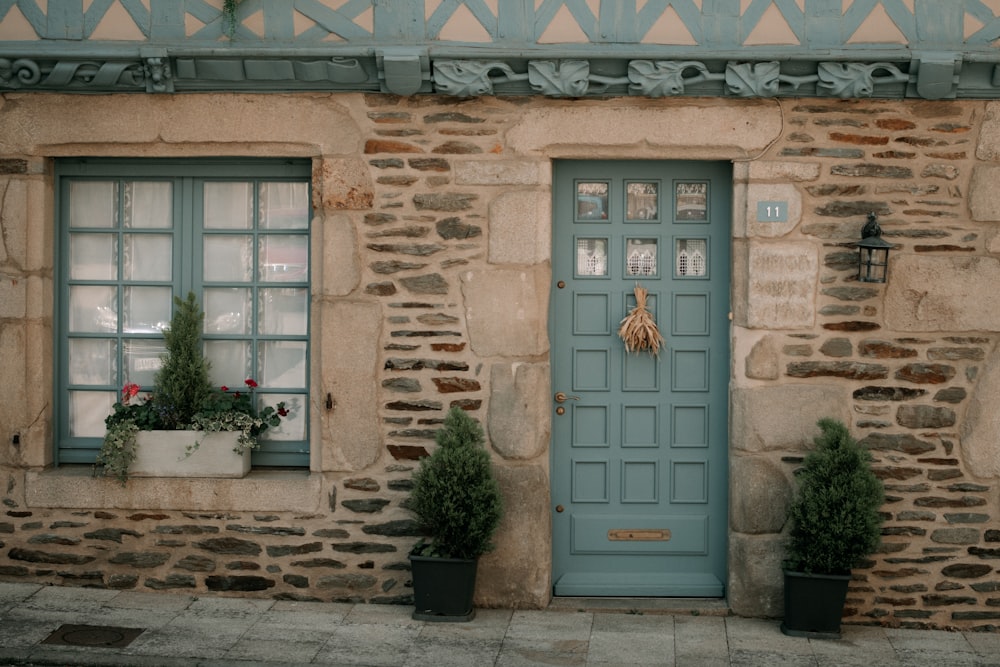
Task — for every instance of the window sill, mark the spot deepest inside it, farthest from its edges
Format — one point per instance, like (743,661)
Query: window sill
(75,487)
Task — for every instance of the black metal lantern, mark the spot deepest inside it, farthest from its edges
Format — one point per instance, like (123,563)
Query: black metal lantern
(873,253)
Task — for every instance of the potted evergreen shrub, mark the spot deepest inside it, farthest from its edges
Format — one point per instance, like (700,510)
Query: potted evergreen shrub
(186,427)
(457,503)
(835,524)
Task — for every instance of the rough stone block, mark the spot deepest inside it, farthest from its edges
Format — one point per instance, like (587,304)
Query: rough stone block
(784,171)
(520,412)
(779,291)
(982,421)
(760,495)
(784,193)
(984,202)
(335,254)
(496,172)
(517,573)
(989,134)
(13,221)
(350,432)
(935,293)
(784,417)
(756,582)
(507,312)
(762,363)
(519,231)
(732,129)
(342,184)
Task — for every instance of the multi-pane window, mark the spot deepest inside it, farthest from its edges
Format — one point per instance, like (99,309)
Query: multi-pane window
(135,234)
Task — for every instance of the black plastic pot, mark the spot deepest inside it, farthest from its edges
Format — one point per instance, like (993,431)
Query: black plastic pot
(814,604)
(443,588)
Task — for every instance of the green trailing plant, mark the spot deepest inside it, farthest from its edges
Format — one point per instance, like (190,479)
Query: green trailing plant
(455,495)
(183,398)
(230,22)
(835,520)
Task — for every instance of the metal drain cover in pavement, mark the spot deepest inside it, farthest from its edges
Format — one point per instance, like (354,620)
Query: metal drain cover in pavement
(93,635)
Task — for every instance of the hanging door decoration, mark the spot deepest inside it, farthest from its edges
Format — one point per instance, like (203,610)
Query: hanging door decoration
(638,329)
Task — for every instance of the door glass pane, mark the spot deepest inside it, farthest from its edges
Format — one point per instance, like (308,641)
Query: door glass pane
(227,310)
(592,257)
(87,410)
(691,257)
(93,256)
(227,258)
(642,201)
(592,201)
(284,206)
(147,257)
(148,204)
(142,360)
(228,205)
(283,364)
(691,202)
(93,204)
(146,309)
(283,311)
(230,361)
(293,426)
(640,257)
(92,361)
(284,259)
(92,308)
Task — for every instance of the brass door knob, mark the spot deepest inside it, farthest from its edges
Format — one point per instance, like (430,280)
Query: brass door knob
(560,508)
(561,397)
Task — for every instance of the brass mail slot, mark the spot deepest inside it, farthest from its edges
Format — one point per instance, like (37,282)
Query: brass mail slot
(639,534)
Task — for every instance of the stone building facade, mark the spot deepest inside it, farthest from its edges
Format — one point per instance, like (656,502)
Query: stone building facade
(431,248)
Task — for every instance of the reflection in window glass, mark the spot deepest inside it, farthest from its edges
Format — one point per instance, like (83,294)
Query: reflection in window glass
(592,257)
(641,201)
(691,257)
(691,202)
(592,201)
(640,257)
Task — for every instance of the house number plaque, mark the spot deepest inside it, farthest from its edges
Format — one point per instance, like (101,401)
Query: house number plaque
(639,534)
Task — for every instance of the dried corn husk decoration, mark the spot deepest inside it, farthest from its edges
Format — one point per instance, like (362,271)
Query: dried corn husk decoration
(638,328)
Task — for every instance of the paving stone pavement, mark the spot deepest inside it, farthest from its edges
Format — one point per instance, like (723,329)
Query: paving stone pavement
(182,630)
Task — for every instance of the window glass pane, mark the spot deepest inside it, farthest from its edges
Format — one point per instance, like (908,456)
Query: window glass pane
(284,259)
(92,308)
(230,362)
(227,258)
(592,200)
(147,309)
(143,359)
(282,364)
(227,310)
(284,206)
(293,426)
(640,257)
(691,202)
(148,204)
(87,410)
(228,205)
(592,257)
(691,257)
(283,311)
(93,256)
(641,201)
(147,257)
(93,204)
(92,361)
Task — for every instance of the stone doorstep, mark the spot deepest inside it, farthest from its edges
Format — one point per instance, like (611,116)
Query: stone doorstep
(671,606)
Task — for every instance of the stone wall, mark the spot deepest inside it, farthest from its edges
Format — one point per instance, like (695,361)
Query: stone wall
(431,245)
(909,365)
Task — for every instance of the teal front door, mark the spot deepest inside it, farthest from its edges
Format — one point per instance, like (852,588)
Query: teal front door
(639,441)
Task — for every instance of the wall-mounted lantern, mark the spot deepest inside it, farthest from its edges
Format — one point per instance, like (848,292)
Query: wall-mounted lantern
(873,253)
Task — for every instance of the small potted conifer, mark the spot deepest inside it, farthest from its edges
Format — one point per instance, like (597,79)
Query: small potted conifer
(457,503)
(835,524)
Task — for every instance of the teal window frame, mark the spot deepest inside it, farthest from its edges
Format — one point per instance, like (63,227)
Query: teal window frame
(187,232)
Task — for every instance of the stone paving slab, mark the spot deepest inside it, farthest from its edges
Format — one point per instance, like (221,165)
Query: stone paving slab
(184,631)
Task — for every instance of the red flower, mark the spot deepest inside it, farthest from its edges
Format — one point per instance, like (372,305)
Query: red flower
(224,388)
(129,390)
(250,383)
(282,411)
